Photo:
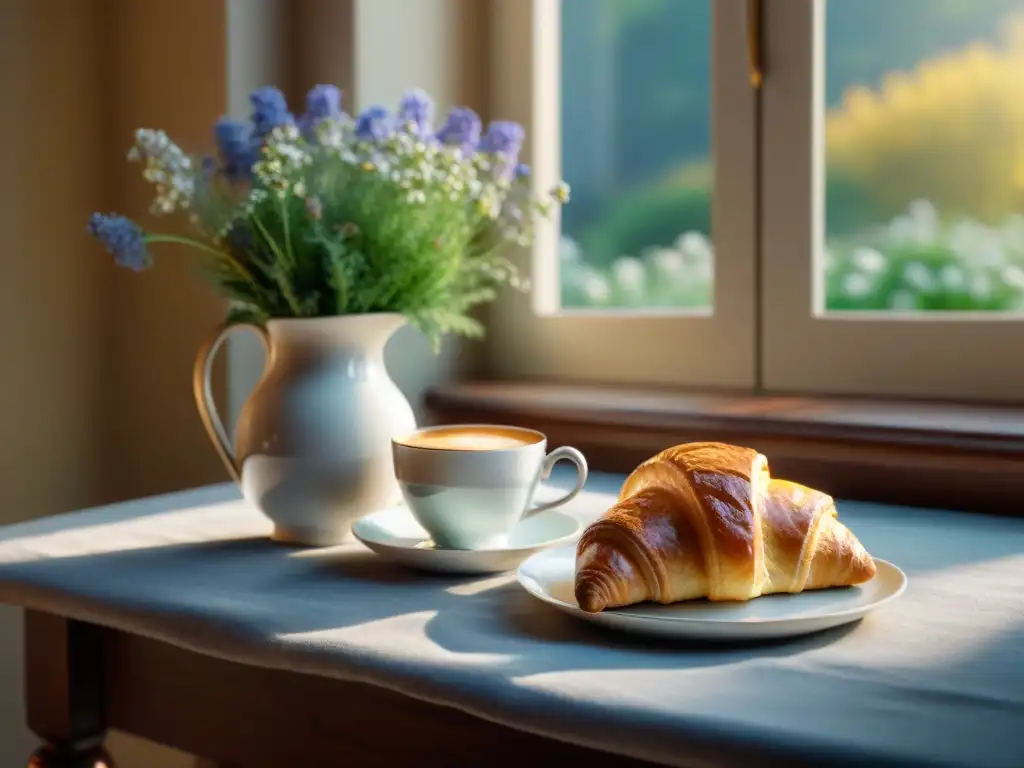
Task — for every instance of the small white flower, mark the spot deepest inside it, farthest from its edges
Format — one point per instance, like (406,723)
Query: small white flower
(981,286)
(167,167)
(283,133)
(903,301)
(918,276)
(299,189)
(667,261)
(629,274)
(902,230)
(869,260)
(596,289)
(1013,276)
(857,284)
(976,243)
(417,196)
(990,253)
(953,277)
(694,245)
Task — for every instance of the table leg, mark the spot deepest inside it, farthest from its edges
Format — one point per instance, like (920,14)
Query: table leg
(64,692)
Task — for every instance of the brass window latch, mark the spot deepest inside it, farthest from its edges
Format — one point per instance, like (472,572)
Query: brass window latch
(755,53)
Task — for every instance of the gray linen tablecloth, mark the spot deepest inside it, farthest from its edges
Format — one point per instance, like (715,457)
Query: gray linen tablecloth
(936,678)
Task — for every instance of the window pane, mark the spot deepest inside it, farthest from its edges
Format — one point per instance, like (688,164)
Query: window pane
(924,155)
(636,151)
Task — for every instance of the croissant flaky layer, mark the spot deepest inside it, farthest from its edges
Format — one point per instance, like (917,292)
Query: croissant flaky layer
(707,520)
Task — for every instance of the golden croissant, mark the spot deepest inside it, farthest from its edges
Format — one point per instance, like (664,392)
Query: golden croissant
(707,520)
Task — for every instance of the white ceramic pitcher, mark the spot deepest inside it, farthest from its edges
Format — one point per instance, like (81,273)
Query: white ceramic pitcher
(312,447)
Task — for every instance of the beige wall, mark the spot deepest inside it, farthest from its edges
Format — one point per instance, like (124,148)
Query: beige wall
(52,149)
(95,390)
(168,73)
(52,155)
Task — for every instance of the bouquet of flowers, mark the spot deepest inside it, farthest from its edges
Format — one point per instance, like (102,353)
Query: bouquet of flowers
(325,214)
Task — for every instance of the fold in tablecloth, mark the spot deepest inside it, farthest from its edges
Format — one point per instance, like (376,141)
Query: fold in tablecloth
(936,678)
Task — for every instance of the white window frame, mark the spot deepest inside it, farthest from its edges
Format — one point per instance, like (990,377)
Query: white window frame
(528,338)
(934,355)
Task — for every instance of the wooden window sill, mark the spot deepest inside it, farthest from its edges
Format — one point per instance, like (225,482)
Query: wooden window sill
(926,454)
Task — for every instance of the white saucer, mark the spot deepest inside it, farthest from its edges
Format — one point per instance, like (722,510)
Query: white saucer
(395,534)
(550,576)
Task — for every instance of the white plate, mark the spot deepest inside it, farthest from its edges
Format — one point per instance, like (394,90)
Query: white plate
(395,534)
(550,576)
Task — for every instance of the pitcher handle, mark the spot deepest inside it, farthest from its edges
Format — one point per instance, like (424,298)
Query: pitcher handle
(204,396)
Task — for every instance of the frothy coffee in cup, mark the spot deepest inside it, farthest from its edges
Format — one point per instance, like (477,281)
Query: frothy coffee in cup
(468,484)
(471,438)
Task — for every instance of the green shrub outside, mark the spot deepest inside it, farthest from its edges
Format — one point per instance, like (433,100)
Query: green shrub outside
(916,261)
(653,216)
(952,126)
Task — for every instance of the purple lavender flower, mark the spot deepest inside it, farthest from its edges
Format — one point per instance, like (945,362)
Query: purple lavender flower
(461,129)
(504,140)
(373,124)
(323,102)
(416,110)
(523,171)
(123,238)
(269,110)
(236,147)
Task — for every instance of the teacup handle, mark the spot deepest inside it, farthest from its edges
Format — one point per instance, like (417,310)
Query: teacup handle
(204,396)
(569,454)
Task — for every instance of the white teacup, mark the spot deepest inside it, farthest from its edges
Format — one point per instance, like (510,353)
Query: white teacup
(469,484)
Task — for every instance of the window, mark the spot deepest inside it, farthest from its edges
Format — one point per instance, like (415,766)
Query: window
(891,198)
(856,225)
(635,125)
(622,266)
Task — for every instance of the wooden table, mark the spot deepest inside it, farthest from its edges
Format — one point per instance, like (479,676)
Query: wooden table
(192,630)
(81,679)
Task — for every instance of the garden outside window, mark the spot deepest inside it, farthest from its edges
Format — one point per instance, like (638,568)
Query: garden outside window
(851,226)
